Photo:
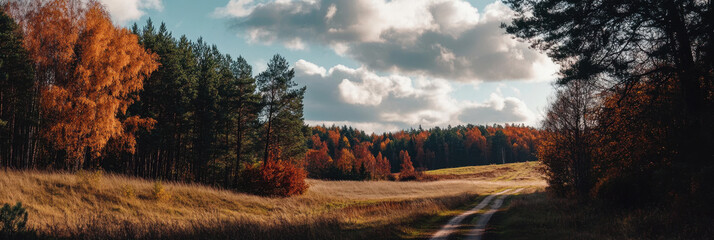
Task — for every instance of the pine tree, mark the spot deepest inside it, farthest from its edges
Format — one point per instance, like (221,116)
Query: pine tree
(283,126)
(18,94)
(243,104)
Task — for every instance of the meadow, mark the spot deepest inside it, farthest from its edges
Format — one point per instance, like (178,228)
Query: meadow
(108,206)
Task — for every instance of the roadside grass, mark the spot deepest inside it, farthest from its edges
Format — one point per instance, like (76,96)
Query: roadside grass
(109,206)
(540,216)
(537,216)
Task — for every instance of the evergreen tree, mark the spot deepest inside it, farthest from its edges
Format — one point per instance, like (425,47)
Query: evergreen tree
(243,104)
(282,113)
(167,98)
(18,94)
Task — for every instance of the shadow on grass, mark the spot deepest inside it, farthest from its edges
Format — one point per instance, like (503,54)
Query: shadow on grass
(397,221)
(321,229)
(540,216)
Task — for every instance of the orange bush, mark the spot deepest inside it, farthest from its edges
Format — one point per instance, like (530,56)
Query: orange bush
(273,178)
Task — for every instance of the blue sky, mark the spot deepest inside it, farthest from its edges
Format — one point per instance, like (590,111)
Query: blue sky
(377,65)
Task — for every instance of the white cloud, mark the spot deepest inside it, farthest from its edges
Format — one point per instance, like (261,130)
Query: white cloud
(295,44)
(331,12)
(123,11)
(384,103)
(309,68)
(499,109)
(446,39)
(236,8)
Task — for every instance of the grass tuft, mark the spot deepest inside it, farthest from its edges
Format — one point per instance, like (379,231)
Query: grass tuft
(159,193)
(89,179)
(128,191)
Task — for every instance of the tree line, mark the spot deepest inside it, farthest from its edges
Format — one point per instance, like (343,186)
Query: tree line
(348,153)
(631,122)
(77,92)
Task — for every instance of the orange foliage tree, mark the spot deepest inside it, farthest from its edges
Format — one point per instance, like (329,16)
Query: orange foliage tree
(570,139)
(365,161)
(407,171)
(345,161)
(89,73)
(475,142)
(636,153)
(317,159)
(383,168)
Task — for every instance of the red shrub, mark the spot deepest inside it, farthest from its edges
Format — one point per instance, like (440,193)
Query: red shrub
(274,178)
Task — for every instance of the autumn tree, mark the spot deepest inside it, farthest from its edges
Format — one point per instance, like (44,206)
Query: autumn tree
(345,161)
(407,171)
(317,160)
(570,140)
(383,169)
(365,163)
(634,154)
(89,71)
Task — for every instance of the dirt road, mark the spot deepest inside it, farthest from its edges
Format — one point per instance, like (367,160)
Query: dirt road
(475,234)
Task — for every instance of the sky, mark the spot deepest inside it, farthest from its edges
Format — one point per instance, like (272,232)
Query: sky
(377,65)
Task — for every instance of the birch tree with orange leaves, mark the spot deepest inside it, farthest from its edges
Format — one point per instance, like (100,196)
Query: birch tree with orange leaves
(89,72)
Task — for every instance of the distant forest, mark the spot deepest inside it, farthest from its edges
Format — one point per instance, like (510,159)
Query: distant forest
(347,150)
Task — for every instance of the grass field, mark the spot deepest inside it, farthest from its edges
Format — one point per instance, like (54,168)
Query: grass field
(111,206)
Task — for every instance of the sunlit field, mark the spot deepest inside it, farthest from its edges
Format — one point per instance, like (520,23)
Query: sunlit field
(113,206)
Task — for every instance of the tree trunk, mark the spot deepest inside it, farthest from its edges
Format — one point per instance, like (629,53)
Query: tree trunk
(267,135)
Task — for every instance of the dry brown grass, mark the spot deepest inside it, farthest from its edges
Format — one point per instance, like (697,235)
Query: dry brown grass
(60,205)
(525,171)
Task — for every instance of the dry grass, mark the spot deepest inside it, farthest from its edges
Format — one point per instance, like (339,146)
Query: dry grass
(61,205)
(497,172)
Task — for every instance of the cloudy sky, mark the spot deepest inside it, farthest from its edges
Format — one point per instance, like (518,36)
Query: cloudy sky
(377,65)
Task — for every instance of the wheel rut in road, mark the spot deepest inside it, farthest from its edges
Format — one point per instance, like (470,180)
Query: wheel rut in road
(456,222)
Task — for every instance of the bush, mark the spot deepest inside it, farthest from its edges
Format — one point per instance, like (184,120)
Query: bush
(274,178)
(12,219)
(158,193)
(89,179)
